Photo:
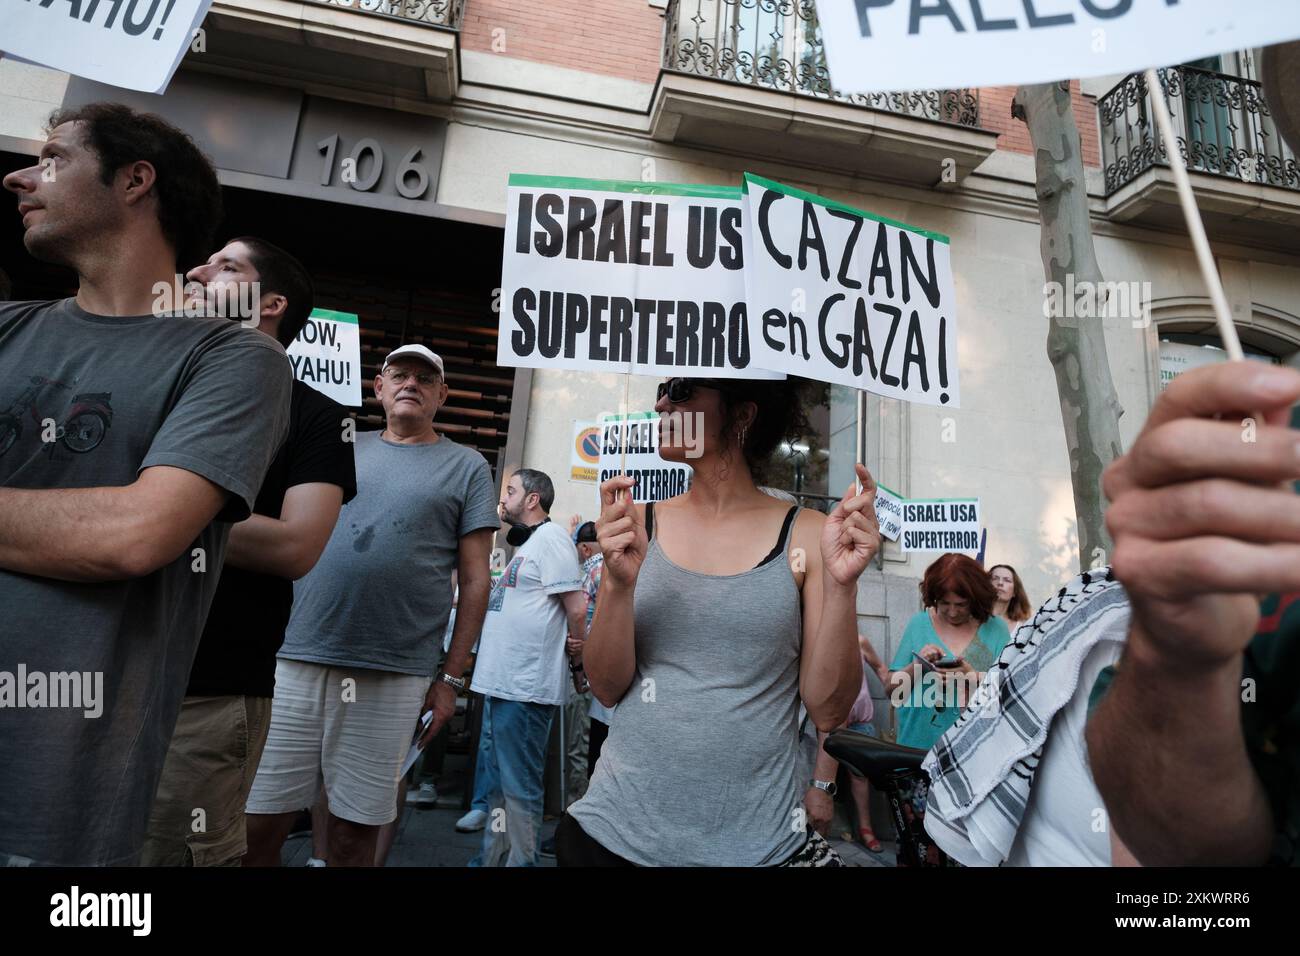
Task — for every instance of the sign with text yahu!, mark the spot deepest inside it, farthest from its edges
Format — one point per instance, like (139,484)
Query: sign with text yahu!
(134,44)
(327,355)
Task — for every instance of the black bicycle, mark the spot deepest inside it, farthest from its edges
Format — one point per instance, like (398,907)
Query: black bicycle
(896,771)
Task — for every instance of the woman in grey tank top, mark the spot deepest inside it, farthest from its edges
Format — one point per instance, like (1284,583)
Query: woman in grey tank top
(717,612)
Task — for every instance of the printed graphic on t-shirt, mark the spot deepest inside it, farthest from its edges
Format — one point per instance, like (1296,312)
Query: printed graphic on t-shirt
(509,579)
(79,426)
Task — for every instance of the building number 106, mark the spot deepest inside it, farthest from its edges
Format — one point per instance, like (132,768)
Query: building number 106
(410,178)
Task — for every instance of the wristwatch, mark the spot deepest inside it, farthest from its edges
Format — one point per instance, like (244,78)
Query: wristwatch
(575,668)
(456,682)
(827,785)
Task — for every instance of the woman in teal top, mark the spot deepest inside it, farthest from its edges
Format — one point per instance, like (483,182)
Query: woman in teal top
(957,624)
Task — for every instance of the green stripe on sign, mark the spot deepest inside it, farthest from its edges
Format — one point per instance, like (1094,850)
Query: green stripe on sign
(348,317)
(626,186)
(843,207)
(634,416)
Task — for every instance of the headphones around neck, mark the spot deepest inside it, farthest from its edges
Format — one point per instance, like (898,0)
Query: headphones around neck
(519,533)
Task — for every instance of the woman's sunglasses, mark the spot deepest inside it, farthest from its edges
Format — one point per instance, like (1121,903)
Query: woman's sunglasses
(680,390)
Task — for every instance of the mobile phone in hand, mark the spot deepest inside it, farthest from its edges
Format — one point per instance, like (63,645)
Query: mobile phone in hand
(948,662)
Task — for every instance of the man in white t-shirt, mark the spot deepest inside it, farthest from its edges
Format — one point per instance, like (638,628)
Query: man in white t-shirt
(522,670)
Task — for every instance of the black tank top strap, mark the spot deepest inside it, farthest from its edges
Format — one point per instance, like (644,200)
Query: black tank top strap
(781,538)
(649,520)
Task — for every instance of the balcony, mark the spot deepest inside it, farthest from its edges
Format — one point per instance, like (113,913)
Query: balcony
(750,76)
(438,13)
(1246,178)
(391,48)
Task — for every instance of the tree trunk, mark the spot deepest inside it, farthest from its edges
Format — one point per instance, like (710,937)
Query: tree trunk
(1090,409)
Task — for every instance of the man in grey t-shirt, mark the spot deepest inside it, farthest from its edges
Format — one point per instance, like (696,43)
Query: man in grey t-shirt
(367,624)
(129,438)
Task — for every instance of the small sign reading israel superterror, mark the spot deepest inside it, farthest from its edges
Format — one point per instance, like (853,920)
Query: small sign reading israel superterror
(638,434)
(941,524)
(327,355)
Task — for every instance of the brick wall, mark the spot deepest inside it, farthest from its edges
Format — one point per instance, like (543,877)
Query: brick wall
(995,115)
(619,38)
(623,38)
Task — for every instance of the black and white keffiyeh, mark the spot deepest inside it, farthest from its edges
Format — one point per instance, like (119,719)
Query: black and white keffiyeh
(982,769)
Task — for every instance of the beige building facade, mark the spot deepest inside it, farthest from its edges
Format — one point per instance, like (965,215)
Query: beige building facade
(683,92)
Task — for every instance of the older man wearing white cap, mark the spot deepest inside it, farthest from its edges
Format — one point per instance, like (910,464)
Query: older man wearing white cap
(368,621)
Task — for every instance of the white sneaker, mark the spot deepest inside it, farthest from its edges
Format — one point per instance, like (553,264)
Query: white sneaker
(471,822)
(424,796)
(312,861)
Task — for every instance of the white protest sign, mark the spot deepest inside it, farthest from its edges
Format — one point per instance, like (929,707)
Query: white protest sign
(656,479)
(327,355)
(134,44)
(841,296)
(607,276)
(585,451)
(941,524)
(889,512)
(875,46)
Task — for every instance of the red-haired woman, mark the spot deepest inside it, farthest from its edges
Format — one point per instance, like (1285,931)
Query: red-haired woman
(957,639)
(1012,605)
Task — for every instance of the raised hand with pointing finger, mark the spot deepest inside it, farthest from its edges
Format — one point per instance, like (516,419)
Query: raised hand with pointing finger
(620,531)
(851,535)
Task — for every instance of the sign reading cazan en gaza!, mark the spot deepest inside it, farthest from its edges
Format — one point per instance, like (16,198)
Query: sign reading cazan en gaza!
(615,276)
(842,296)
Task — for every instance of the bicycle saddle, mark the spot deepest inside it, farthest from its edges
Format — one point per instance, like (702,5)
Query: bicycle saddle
(872,758)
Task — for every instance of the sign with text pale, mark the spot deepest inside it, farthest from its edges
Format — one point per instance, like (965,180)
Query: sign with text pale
(878,46)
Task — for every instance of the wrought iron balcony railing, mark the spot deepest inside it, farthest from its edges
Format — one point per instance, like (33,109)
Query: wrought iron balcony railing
(777,44)
(1221,122)
(438,13)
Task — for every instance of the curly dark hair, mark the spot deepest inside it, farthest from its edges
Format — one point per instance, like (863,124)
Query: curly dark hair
(964,577)
(780,417)
(189,195)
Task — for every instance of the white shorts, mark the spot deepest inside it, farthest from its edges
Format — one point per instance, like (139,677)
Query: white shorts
(350,727)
